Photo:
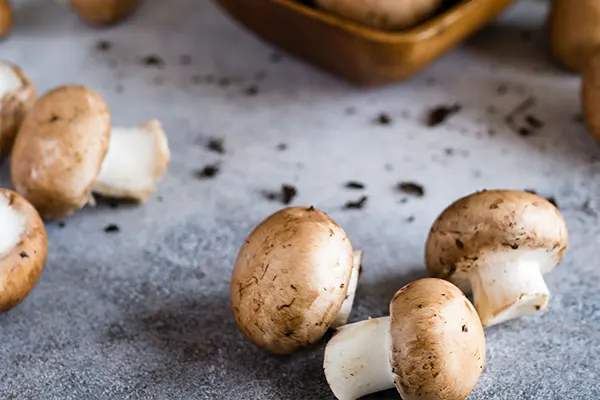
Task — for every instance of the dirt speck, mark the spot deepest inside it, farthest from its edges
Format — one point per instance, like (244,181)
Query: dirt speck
(533,121)
(216,145)
(440,114)
(286,194)
(356,205)
(225,82)
(410,219)
(350,111)
(185,59)
(354,185)
(553,201)
(208,171)
(282,147)
(24,254)
(411,188)
(62,224)
(153,60)
(103,45)
(383,119)
(252,90)
(112,228)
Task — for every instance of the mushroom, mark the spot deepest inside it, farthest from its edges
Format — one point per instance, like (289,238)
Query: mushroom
(383,14)
(23,249)
(590,94)
(294,278)
(499,243)
(103,12)
(6,18)
(17,94)
(65,148)
(432,346)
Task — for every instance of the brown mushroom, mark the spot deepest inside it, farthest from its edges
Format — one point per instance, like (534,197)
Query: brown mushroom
(65,149)
(6,18)
(432,346)
(294,278)
(104,12)
(23,249)
(499,243)
(17,95)
(590,94)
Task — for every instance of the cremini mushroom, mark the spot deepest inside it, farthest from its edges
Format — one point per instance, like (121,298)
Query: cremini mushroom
(499,243)
(6,18)
(17,94)
(103,12)
(383,14)
(432,346)
(23,249)
(65,149)
(294,278)
(590,94)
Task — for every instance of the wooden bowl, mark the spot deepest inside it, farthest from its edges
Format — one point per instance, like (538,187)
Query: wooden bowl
(361,55)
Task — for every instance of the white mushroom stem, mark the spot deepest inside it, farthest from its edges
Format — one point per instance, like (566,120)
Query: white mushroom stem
(357,359)
(11,228)
(136,160)
(10,80)
(509,286)
(344,313)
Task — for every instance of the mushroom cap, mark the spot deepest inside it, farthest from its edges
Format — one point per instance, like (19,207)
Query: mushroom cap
(590,93)
(23,248)
(59,150)
(6,18)
(490,223)
(290,279)
(103,12)
(437,340)
(15,102)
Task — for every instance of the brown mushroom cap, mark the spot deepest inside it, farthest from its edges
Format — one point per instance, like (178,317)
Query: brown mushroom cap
(103,12)
(6,18)
(438,344)
(290,279)
(13,107)
(590,94)
(59,150)
(489,222)
(21,266)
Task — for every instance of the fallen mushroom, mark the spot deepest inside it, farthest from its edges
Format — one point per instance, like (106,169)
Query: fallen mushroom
(65,149)
(103,12)
(432,346)
(574,31)
(17,94)
(499,243)
(383,14)
(294,278)
(6,18)
(23,249)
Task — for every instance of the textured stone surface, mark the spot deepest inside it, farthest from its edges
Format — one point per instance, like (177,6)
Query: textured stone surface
(144,313)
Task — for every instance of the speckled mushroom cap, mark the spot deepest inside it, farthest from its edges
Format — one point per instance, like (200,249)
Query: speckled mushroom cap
(59,150)
(290,279)
(438,343)
(494,221)
(23,248)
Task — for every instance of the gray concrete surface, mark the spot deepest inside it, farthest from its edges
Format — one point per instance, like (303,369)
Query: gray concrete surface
(144,313)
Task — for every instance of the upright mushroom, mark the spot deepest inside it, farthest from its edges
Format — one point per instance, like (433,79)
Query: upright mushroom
(65,149)
(294,278)
(6,18)
(103,12)
(23,249)
(383,14)
(17,95)
(431,347)
(499,243)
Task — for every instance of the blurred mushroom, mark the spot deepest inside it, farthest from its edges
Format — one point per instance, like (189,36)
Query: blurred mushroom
(294,278)
(6,18)
(23,249)
(432,346)
(499,243)
(104,12)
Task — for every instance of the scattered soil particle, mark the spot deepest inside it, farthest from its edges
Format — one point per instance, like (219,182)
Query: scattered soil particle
(465,329)
(24,254)
(520,109)
(411,188)
(491,132)
(350,111)
(252,90)
(103,45)
(410,219)
(354,185)
(388,167)
(534,122)
(440,114)
(589,208)
(282,147)
(524,132)
(530,191)
(225,82)
(216,145)
(553,201)
(383,119)
(208,172)
(285,195)
(159,199)
(502,89)
(356,205)
(112,228)
(491,110)
(153,60)
(449,151)
(185,59)
(62,224)
(275,58)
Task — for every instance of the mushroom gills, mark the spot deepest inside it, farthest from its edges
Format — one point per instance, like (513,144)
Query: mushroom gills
(12,226)
(507,287)
(342,316)
(9,80)
(137,158)
(357,359)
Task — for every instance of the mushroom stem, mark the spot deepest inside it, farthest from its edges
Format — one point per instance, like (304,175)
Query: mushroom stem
(503,292)
(12,226)
(344,313)
(357,359)
(136,160)
(9,80)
